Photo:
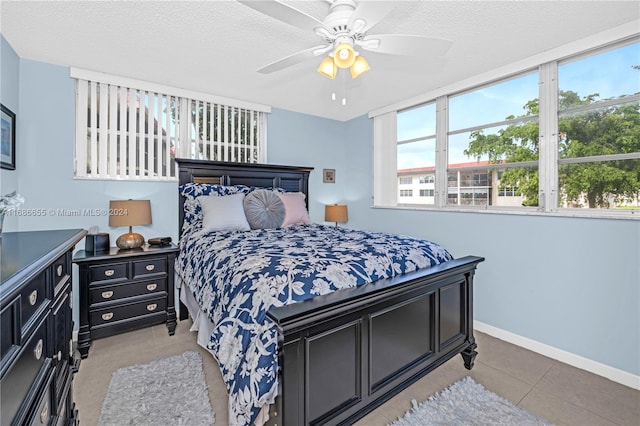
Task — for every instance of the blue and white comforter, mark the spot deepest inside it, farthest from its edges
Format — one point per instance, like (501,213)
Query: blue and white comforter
(236,277)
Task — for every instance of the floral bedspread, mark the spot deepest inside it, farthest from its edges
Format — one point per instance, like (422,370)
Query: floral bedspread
(236,277)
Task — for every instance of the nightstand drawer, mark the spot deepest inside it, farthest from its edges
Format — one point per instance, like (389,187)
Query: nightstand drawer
(34,296)
(151,265)
(126,311)
(112,271)
(121,291)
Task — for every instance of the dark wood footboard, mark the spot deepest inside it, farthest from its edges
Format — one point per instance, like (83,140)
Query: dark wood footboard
(345,354)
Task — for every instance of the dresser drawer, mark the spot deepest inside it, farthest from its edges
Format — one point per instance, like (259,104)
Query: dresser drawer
(120,291)
(34,296)
(44,409)
(9,330)
(15,385)
(148,266)
(112,271)
(126,311)
(61,272)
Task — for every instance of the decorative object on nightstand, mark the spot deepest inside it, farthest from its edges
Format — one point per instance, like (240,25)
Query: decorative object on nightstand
(335,213)
(129,213)
(96,242)
(123,290)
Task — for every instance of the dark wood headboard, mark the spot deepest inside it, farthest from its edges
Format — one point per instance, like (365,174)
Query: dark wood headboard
(289,178)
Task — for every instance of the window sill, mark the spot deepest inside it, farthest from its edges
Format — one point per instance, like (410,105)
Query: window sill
(527,211)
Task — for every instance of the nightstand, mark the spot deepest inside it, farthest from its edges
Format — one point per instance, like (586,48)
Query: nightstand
(123,290)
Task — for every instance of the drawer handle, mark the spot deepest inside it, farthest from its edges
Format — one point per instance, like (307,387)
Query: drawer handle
(150,267)
(59,270)
(37,352)
(152,307)
(33,297)
(109,272)
(107,316)
(107,294)
(44,414)
(152,287)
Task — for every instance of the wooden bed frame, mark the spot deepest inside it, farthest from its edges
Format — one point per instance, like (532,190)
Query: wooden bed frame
(343,354)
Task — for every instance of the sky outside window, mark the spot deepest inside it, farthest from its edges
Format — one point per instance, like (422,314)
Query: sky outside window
(610,74)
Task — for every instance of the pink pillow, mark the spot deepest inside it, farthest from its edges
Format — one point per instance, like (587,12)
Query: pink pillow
(295,208)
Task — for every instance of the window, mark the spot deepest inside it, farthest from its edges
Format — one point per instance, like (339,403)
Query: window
(127,129)
(599,128)
(406,192)
(416,145)
(406,180)
(489,135)
(560,136)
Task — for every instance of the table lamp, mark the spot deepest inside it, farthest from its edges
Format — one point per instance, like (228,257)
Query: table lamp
(335,213)
(129,213)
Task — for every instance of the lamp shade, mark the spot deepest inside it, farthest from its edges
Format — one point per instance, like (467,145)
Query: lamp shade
(129,212)
(335,213)
(328,68)
(344,55)
(359,66)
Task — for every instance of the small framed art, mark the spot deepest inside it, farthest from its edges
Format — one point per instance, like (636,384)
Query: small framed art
(329,175)
(8,141)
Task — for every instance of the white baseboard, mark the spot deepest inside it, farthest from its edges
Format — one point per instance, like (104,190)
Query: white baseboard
(574,360)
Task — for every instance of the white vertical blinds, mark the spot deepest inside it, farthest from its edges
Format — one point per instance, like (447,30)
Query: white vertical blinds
(132,133)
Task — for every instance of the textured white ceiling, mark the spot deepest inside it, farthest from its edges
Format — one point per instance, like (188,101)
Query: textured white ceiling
(217,46)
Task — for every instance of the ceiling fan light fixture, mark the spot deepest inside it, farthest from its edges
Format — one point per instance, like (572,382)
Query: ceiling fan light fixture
(344,55)
(328,68)
(360,66)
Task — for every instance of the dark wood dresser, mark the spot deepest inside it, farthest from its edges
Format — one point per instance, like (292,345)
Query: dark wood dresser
(36,361)
(123,290)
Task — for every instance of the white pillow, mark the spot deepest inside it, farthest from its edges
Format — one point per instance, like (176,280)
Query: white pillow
(295,208)
(224,213)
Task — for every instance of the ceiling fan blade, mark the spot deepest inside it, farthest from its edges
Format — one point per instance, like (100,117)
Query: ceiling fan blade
(296,58)
(371,12)
(406,45)
(285,13)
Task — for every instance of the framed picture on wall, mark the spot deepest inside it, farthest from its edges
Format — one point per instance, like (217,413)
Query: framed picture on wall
(8,142)
(329,175)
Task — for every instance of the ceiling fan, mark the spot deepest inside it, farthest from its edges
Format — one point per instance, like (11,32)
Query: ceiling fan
(344,30)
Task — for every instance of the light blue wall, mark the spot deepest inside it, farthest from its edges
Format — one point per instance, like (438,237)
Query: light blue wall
(10,98)
(566,282)
(304,140)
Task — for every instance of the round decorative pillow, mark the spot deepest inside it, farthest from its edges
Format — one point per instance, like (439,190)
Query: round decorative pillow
(264,209)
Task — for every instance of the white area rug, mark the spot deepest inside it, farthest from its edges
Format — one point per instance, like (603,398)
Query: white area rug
(169,391)
(467,403)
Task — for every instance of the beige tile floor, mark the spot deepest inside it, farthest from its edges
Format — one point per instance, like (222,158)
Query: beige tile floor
(558,392)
